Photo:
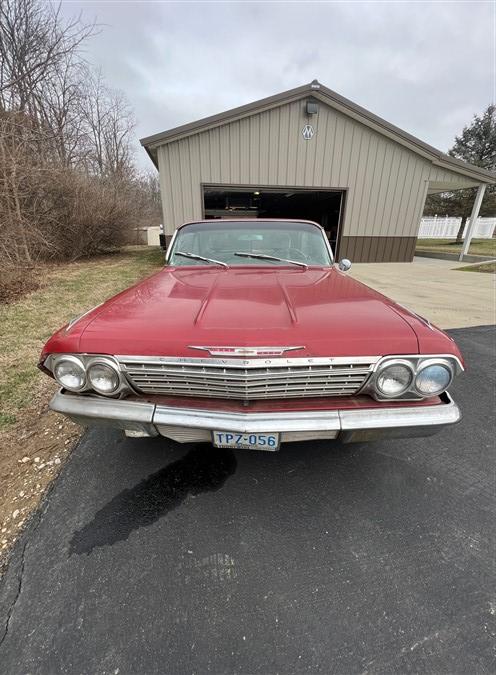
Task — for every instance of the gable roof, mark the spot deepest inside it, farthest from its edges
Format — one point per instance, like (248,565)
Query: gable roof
(334,100)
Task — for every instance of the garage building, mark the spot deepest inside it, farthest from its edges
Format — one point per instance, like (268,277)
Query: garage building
(308,153)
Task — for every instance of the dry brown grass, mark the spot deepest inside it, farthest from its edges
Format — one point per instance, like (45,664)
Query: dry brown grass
(16,282)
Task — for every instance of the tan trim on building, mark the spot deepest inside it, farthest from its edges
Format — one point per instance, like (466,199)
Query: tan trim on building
(245,187)
(377,249)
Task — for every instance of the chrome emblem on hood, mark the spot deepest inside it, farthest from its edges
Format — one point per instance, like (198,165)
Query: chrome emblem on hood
(245,351)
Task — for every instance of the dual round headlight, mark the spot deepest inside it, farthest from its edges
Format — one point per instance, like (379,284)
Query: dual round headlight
(71,373)
(433,379)
(103,378)
(395,379)
(398,377)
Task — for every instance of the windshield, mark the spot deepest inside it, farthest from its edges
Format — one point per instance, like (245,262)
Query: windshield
(231,242)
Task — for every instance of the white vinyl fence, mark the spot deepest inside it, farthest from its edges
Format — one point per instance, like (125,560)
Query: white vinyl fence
(447,228)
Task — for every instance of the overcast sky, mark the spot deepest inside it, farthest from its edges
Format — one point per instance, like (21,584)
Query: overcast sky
(425,66)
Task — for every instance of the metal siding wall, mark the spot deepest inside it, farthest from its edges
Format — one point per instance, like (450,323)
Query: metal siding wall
(396,215)
(290,169)
(386,182)
(165,189)
(414,188)
(283,143)
(367,182)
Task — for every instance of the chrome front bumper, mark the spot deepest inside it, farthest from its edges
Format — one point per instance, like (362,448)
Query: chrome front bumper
(189,425)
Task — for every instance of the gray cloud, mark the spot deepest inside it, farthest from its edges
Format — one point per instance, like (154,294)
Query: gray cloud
(426,67)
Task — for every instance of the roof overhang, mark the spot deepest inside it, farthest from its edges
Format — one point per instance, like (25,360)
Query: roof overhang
(334,100)
(451,186)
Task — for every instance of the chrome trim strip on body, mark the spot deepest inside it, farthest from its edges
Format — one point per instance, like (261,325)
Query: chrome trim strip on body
(295,361)
(249,363)
(170,246)
(147,418)
(77,318)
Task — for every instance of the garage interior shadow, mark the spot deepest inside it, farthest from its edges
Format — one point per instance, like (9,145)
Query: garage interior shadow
(324,207)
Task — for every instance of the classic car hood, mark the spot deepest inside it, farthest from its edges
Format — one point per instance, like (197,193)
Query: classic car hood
(324,311)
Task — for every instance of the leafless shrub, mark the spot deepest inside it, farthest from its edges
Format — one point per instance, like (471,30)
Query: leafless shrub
(54,212)
(87,215)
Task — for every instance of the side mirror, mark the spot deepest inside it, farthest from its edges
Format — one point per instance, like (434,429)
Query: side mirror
(344,264)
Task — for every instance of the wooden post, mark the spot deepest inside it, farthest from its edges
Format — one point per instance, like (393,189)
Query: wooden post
(473,220)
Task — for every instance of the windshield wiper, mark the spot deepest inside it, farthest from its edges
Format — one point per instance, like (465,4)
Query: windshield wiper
(262,256)
(185,254)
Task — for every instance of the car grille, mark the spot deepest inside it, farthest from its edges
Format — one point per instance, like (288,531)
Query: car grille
(247,379)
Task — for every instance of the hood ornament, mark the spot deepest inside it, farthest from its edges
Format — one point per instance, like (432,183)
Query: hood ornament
(245,351)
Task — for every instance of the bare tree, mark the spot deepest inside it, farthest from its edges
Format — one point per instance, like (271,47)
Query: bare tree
(110,124)
(117,134)
(59,112)
(34,44)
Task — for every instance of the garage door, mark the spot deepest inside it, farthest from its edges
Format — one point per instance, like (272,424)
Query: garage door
(322,206)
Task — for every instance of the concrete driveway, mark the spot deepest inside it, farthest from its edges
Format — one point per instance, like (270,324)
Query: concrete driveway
(435,289)
(153,557)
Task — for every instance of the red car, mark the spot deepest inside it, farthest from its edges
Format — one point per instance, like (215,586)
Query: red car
(251,336)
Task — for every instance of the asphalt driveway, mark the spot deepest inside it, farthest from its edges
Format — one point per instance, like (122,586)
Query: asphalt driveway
(153,557)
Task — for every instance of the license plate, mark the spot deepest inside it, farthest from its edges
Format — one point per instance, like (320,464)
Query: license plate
(233,439)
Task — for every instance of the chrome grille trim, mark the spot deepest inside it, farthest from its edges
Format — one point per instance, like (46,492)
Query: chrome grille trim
(248,379)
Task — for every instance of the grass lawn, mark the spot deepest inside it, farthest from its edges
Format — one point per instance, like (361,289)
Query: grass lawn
(484,247)
(66,291)
(489,267)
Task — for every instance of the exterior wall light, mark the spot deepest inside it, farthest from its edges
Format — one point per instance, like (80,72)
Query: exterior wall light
(312,108)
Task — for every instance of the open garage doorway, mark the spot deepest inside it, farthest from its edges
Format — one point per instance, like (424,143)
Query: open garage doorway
(323,206)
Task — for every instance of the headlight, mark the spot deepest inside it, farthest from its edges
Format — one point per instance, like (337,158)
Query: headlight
(433,379)
(394,380)
(103,378)
(70,373)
